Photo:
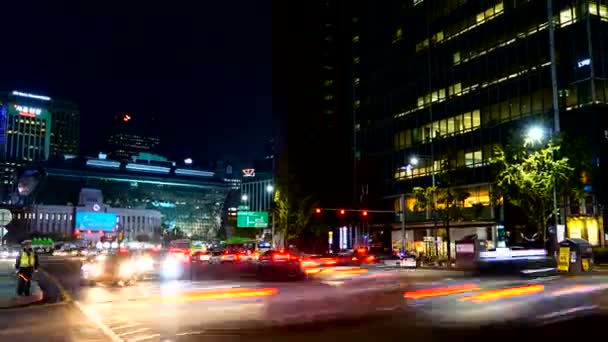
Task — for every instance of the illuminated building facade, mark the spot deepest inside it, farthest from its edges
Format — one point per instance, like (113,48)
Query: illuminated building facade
(447,80)
(188,199)
(25,135)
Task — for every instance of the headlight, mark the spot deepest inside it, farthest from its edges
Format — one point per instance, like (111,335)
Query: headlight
(126,269)
(171,267)
(145,264)
(92,270)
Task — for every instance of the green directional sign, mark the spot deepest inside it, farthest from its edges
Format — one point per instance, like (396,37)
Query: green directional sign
(243,208)
(252,219)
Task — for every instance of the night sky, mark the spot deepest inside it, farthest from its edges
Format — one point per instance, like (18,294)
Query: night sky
(202,67)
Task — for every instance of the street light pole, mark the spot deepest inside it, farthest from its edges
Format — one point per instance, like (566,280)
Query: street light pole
(403,214)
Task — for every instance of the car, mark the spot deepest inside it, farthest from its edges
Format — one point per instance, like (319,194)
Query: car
(230,256)
(118,268)
(283,264)
(201,256)
(394,260)
(8,253)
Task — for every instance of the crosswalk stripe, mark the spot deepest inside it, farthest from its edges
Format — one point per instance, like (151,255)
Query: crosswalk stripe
(136,331)
(143,338)
(125,326)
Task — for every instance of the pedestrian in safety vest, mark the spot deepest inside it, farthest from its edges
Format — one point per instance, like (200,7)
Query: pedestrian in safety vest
(26,265)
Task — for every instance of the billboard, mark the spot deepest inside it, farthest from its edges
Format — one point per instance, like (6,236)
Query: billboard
(95,221)
(252,219)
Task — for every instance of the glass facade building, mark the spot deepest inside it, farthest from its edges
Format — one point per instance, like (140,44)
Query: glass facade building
(189,199)
(450,79)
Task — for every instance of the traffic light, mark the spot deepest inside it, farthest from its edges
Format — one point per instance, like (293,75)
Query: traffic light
(342,211)
(318,210)
(364,213)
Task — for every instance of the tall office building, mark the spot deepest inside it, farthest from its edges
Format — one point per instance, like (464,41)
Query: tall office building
(65,130)
(312,70)
(446,81)
(132,135)
(25,135)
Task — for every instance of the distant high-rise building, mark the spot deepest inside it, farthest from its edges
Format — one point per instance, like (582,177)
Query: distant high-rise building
(65,130)
(25,134)
(131,136)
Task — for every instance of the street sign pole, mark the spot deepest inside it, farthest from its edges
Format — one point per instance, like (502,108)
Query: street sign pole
(5,218)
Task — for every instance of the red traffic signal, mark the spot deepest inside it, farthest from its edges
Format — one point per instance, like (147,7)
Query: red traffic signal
(364,212)
(342,211)
(318,210)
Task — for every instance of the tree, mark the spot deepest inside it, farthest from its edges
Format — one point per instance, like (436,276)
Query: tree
(527,179)
(448,197)
(292,215)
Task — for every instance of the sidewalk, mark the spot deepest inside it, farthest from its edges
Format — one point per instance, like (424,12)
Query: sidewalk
(8,288)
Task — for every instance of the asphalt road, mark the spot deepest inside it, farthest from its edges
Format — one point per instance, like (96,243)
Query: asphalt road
(225,303)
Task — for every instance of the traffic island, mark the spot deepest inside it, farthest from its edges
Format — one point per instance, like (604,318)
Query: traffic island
(9,298)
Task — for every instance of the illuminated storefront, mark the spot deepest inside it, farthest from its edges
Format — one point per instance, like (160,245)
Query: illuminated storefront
(585,227)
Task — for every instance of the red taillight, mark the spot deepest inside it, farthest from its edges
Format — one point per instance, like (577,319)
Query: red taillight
(280,256)
(329,261)
(308,263)
(354,259)
(370,258)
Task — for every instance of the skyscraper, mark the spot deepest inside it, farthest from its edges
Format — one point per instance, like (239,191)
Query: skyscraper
(312,95)
(65,130)
(25,134)
(444,82)
(132,134)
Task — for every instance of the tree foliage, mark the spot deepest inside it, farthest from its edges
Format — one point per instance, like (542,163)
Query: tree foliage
(292,213)
(527,178)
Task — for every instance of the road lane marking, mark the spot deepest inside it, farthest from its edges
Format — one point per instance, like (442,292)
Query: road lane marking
(125,326)
(94,317)
(190,333)
(136,331)
(143,338)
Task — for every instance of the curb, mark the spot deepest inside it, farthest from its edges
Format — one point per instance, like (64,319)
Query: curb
(17,302)
(65,295)
(23,301)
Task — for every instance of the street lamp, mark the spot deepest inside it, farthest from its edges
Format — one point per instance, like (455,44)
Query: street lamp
(415,160)
(534,134)
(188,161)
(244,198)
(270,189)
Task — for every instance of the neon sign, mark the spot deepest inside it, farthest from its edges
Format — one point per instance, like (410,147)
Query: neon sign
(31,96)
(248,172)
(28,111)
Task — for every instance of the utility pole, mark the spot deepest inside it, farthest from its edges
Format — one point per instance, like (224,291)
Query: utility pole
(403,213)
(556,123)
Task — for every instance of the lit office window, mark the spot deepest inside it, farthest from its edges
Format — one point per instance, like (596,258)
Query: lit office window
(456,57)
(567,16)
(472,159)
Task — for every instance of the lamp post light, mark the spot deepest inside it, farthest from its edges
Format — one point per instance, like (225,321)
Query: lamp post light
(415,161)
(270,190)
(535,135)
(244,198)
